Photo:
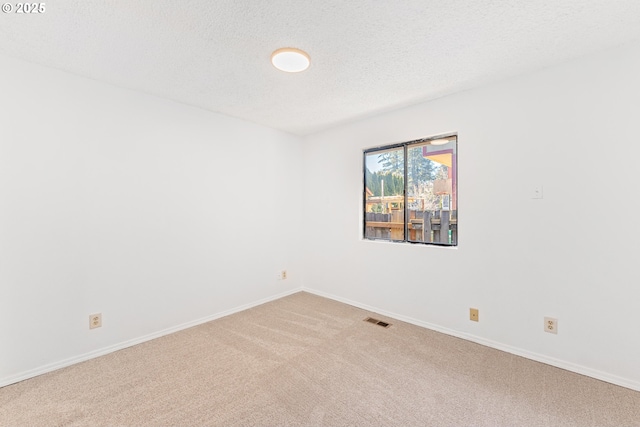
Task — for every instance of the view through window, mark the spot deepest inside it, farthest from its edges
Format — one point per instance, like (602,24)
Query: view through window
(410,192)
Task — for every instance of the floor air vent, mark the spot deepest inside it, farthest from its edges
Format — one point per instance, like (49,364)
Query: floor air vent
(377,322)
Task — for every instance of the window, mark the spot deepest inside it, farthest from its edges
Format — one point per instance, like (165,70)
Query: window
(410,192)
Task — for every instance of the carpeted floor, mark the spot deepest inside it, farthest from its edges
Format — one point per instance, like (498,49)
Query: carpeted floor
(308,361)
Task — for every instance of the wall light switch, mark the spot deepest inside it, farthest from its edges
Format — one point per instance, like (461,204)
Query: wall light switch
(536,192)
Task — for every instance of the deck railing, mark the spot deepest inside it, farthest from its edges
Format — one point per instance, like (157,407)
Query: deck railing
(423,226)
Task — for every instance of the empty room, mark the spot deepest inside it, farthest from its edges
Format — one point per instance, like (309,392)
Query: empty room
(337,213)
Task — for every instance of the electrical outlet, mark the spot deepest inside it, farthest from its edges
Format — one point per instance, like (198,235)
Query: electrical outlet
(95,321)
(474,314)
(551,325)
(284,274)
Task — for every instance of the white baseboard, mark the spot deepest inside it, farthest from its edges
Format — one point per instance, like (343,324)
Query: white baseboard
(101,352)
(583,370)
(593,373)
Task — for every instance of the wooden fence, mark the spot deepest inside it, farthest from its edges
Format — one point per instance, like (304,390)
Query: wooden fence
(423,226)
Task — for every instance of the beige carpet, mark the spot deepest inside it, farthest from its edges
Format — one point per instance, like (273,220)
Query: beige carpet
(307,361)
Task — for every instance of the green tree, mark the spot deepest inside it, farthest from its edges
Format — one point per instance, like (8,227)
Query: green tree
(392,161)
(393,183)
(419,169)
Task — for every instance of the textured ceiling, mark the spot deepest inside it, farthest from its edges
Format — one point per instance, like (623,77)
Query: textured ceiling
(368,56)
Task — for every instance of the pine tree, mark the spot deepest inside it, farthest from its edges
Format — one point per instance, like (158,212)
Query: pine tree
(393,183)
(420,170)
(392,161)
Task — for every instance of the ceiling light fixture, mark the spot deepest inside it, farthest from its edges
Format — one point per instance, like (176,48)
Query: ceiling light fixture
(290,60)
(439,142)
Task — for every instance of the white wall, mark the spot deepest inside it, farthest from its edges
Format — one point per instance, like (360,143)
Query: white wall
(156,214)
(572,255)
(116,202)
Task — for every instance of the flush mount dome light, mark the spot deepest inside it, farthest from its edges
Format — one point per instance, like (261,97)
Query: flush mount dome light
(439,141)
(290,59)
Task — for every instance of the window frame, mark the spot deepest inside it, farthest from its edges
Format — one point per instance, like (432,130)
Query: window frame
(405,146)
